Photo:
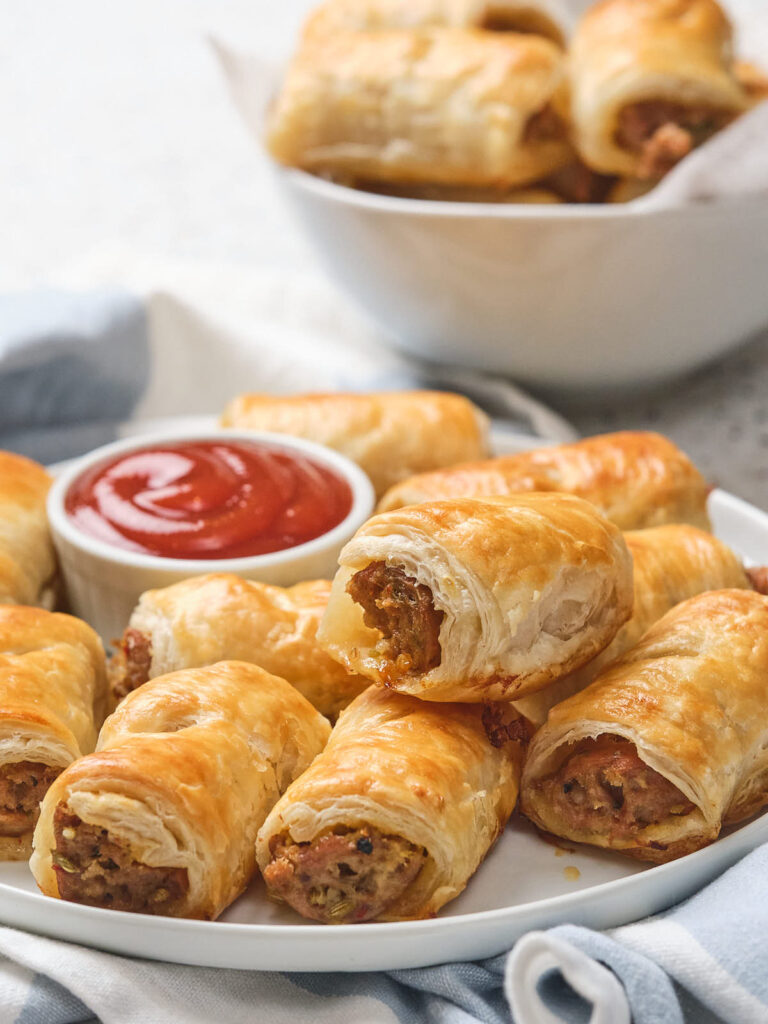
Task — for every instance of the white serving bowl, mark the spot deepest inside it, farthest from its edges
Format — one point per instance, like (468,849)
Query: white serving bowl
(562,296)
(104,583)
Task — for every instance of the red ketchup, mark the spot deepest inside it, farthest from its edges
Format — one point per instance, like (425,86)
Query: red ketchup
(208,499)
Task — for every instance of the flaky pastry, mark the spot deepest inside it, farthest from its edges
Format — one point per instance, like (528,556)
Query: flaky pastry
(162,818)
(221,617)
(478,600)
(396,814)
(669,743)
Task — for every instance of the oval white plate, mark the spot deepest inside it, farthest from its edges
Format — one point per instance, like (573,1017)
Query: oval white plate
(524,883)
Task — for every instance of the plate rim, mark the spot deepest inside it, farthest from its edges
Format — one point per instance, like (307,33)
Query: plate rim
(108,928)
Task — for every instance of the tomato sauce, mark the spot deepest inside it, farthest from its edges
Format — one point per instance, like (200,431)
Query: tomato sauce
(208,499)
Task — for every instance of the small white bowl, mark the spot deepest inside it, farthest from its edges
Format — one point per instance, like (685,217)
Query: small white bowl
(575,297)
(104,582)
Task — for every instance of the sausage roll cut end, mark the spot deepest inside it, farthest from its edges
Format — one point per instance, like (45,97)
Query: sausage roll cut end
(393,818)
(345,876)
(478,599)
(98,869)
(669,742)
(603,793)
(163,817)
(652,80)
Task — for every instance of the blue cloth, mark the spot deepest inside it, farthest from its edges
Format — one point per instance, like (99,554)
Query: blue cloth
(72,367)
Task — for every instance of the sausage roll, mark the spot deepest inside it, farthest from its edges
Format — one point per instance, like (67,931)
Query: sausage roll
(27,559)
(397,813)
(753,80)
(446,106)
(538,17)
(626,190)
(670,743)
(471,600)
(221,617)
(162,819)
(671,564)
(651,80)
(390,434)
(758,578)
(53,694)
(636,479)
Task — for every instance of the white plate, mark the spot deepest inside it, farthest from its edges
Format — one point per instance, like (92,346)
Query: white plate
(524,883)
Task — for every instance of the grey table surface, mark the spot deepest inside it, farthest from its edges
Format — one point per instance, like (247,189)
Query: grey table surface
(117,128)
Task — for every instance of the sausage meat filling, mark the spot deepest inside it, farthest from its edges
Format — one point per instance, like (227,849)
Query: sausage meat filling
(663,132)
(132,664)
(544,126)
(94,868)
(758,577)
(23,784)
(604,786)
(403,612)
(343,877)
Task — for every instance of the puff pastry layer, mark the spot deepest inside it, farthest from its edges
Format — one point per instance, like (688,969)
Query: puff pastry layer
(474,600)
(390,434)
(671,563)
(27,559)
(162,819)
(667,744)
(539,17)
(637,479)
(446,106)
(651,79)
(398,811)
(221,617)
(53,696)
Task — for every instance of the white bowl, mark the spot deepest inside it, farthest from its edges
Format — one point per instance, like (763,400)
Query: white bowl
(104,582)
(568,297)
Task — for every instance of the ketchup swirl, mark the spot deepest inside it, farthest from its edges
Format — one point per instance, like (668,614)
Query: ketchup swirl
(208,499)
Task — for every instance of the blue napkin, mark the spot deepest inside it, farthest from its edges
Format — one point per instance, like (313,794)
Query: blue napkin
(77,367)
(72,366)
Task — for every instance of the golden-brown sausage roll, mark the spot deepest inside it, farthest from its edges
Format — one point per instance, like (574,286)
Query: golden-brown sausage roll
(671,563)
(221,617)
(753,80)
(389,434)
(27,559)
(539,17)
(636,478)
(437,106)
(475,600)
(626,190)
(397,813)
(669,743)
(162,819)
(53,695)
(651,80)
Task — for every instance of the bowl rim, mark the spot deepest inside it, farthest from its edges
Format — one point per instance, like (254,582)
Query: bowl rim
(346,195)
(363,503)
(460,209)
